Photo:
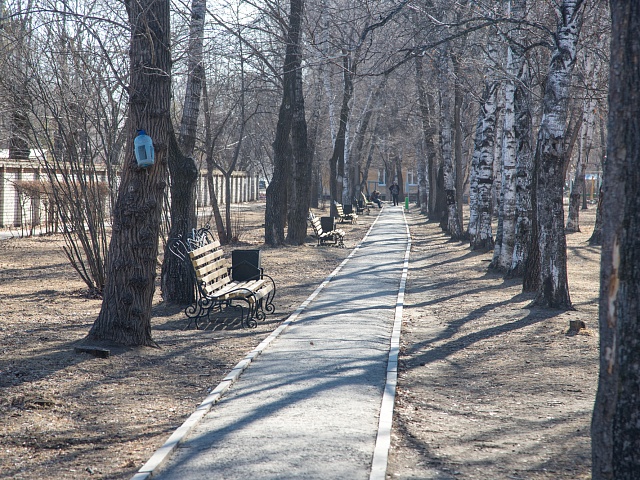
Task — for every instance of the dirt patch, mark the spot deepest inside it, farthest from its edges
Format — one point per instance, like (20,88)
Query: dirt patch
(66,415)
(489,388)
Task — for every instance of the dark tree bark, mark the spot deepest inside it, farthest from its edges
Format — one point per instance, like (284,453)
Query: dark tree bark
(290,141)
(337,161)
(125,316)
(596,235)
(176,278)
(18,142)
(615,428)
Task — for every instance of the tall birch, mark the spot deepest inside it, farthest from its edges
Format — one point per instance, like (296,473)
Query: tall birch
(553,288)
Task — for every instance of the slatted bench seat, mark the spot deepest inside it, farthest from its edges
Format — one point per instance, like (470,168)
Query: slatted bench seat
(335,236)
(217,291)
(352,217)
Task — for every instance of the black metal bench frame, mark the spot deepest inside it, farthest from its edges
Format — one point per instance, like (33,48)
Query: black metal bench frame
(255,303)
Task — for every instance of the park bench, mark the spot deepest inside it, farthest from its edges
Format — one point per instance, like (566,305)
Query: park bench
(342,215)
(216,289)
(365,204)
(335,236)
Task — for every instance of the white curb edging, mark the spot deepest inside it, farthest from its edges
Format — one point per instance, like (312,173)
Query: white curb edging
(383,440)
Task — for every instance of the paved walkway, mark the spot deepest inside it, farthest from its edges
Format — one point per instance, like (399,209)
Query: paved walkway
(317,399)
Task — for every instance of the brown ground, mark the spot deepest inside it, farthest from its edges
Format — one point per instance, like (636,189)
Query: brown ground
(488,388)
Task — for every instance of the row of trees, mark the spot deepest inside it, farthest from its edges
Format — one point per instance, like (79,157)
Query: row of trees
(500,100)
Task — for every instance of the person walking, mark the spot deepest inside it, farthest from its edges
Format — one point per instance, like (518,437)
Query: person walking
(394,189)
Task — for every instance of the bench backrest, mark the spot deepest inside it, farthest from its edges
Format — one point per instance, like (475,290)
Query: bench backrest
(339,209)
(317,226)
(212,270)
(364,199)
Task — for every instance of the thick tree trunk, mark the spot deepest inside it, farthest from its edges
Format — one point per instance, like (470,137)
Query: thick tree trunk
(553,290)
(277,191)
(482,235)
(300,198)
(615,429)
(125,316)
(176,278)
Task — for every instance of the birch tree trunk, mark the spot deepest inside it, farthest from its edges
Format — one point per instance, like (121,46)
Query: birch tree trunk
(503,250)
(553,289)
(125,315)
(616,416)
(482,236)
(472,227)
(524,175)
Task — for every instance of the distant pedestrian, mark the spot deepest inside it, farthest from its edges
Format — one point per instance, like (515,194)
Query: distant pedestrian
(394,189)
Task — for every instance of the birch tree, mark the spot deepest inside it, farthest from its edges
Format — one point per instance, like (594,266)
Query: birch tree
(553,288)
(503,250)
(480,230)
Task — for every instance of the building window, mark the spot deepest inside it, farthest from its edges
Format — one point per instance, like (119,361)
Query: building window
(411,177)
(382,177)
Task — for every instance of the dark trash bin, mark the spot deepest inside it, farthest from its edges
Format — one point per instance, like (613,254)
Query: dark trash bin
(245,265)
(347,209)
(327,223)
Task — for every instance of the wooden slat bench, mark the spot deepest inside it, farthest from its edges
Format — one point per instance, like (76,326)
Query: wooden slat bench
(217,291)
(335,236)
(365,204)
(352,217)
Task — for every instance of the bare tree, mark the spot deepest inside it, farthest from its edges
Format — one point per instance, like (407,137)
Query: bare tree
(553,289)
(290,141)
(616,416)
(176,277)
(125,316)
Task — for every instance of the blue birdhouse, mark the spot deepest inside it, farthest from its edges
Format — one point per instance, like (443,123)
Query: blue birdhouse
(143,149)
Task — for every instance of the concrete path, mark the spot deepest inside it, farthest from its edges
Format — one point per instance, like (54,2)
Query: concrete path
(317,399)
